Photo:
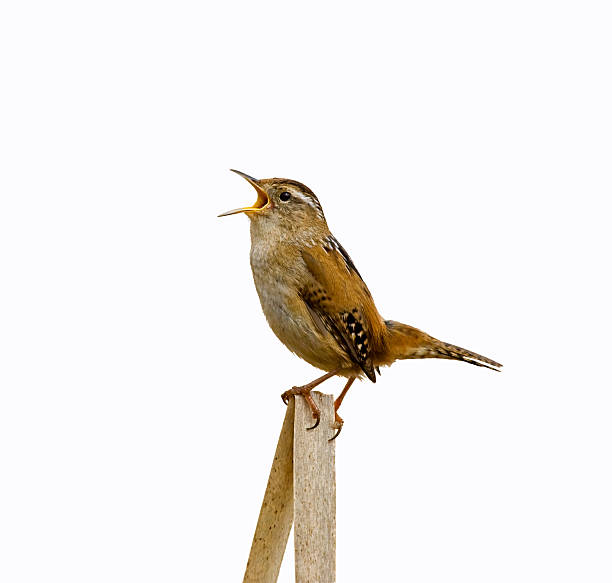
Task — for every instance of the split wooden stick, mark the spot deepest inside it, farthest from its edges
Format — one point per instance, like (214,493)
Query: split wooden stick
(301,488)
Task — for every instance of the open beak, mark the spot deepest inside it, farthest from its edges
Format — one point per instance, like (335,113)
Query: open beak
(260,204)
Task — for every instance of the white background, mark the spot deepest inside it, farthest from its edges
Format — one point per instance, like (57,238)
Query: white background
(461,152)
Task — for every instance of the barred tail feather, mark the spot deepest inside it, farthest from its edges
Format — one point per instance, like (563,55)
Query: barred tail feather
(408,342)
(446,350)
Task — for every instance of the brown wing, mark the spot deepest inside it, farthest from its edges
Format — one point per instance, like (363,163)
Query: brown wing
(339,300)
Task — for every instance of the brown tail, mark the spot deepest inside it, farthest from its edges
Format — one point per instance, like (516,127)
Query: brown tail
(408,342)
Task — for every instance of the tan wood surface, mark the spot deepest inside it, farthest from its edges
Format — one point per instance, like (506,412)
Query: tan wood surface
(276,513)
(314,486)
(301,487)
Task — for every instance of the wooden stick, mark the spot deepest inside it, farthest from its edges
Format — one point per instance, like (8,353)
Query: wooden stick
(276,513)
(314,486)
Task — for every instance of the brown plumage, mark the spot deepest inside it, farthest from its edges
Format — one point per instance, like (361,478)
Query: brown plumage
(315,300)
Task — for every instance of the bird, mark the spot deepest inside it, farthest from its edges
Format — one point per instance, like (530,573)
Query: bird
(316,301)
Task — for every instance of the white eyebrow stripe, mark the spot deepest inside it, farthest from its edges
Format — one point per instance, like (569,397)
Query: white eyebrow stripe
(310,200)
(304,198)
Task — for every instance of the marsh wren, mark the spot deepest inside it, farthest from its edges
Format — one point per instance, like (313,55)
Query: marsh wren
(315,300)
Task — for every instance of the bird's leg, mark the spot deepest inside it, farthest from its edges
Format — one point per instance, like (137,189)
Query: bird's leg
(305,392)
(339,422)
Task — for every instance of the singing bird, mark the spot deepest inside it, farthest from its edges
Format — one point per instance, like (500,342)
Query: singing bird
(315,300)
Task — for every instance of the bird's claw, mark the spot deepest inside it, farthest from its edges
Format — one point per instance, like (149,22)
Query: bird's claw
(317,421)
(338,430)
(337,425)
(305,392)
(290,393)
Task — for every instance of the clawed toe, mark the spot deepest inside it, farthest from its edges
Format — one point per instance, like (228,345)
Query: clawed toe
(305,392)
(337,425)
(316,412)
(290,393)
(317,417)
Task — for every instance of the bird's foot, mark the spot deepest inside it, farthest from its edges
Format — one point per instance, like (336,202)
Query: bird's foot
(305,392)
(337,425)
(338,422)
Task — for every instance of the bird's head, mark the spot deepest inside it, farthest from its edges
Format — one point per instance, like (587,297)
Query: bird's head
(282,203)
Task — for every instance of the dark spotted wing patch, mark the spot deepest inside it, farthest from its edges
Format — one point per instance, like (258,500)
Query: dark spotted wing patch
(347,328)
(319,304)
(357,334)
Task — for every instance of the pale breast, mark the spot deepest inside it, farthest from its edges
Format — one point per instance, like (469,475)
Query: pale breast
(279,277)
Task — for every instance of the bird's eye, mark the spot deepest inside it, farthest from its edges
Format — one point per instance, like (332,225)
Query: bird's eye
(285,196)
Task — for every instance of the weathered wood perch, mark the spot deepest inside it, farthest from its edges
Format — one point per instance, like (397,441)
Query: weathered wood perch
(301,490)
